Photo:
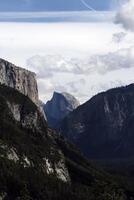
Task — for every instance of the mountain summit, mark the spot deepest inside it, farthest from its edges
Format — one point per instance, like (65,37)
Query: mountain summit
(59,106)
(20,79)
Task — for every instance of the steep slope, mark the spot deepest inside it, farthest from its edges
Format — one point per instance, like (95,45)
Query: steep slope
(20,79)
(41,107)
(21,118)
(59,106)
(35,163)
(104,126)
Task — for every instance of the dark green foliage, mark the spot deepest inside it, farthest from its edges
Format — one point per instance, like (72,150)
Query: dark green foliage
(16,97)
(20,182)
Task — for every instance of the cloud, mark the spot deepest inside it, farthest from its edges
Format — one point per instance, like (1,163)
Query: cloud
(62,16)
(49,65)
(125,16)
(83,77)
(119,37)
(58,52)
(47,87)
(71,57)
(120,59)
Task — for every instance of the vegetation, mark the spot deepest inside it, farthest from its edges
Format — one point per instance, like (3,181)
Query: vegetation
(29,181)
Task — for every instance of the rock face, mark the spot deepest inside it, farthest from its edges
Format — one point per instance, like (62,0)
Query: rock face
(103,127)
(41,107)
(23,113)
(59,106)
(20,79)
(37,163)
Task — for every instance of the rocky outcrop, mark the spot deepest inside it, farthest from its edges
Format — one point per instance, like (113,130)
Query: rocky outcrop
(23,112)
(27,119)
(103,126)
(59,106)
(20,79)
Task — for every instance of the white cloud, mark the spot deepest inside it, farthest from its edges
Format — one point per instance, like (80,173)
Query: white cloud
(73,39)
(122,58)
(119,37)
(75,16)
(49,65)
(62,51)
(125,16)
(79,58)
(83,77)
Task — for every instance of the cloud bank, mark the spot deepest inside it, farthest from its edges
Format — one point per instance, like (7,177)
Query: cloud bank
(62,16)
(83,77)
(49,65)
(125,16)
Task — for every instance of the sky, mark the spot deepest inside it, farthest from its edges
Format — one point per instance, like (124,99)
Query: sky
(55,5)
(82,51)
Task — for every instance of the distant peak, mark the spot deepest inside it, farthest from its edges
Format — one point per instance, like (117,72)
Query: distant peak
(60,106)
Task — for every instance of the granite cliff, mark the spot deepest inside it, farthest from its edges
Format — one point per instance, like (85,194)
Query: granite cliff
(20,79)
(103,127)
(58,107)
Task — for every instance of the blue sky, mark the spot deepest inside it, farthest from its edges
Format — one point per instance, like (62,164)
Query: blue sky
(54,5)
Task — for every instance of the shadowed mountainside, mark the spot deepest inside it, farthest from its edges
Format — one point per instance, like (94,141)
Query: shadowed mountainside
(35,163)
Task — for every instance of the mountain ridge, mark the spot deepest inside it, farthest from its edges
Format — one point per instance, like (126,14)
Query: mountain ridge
(103,121)
(41,164)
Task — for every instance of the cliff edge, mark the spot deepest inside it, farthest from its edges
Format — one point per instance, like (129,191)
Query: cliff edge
(20,79)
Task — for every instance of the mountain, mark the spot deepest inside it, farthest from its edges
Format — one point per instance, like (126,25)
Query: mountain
(103,127)
(58,107)
(20,79)
(37,163)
